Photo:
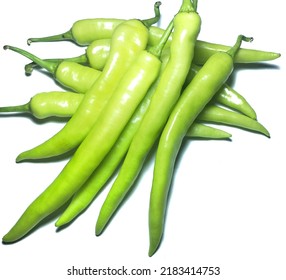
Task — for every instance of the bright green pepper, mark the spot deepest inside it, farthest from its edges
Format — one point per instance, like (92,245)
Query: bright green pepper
(226,96)
(49,104)
(104,133)
(215,114)
(186,29)
(85,31)
(128,41)
(107,167)
(69,74)
(194,98)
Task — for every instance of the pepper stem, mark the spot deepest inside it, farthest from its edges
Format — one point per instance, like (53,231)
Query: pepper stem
(233,50)
(188,6)
(48,65)
(82,59)
(66,36)
(157,49)
(156,18)
(16,109)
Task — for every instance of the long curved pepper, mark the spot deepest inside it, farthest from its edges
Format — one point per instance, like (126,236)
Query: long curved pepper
(100,139)
(97,181)
(85,31)
(128,40)
(69,74)
(110,163)
(186,29)
(194,98)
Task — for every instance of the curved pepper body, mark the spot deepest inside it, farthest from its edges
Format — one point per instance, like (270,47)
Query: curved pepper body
(194,98)
(96,145)
(75,76)
(54,104)
(128,41)
(217,114)
(226,96)
(229,97)
(205,50)
(86,31)
(186,30)
(109,164)
(97,53)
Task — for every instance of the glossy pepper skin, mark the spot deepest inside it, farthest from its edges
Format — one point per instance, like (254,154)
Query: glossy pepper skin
(95,56)
(89,30)
(194,98)
(186,29)
(85,31)
(100,139)
(215,114)
(48,104)
(107,167)
(226,96)
(86,194)
(69,74)
(128,41)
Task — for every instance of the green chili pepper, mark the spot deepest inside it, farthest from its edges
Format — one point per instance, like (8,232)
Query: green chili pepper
(186,29)
(96,182)
(217,114)
(95,56)
(103,135)
(86,194)
(48,104)
(110,163)
(226,96)
(204,50)
(200,130)
(192,101)
(97,52)
(86,31)
(229,97)
(129,39)
(70,74)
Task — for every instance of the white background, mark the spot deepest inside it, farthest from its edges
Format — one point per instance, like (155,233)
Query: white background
(227,205)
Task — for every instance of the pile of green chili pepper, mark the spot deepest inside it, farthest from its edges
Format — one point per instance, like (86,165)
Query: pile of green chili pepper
(136,89)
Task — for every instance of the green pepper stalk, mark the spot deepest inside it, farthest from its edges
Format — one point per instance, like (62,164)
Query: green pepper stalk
(194,98)
(186,29)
